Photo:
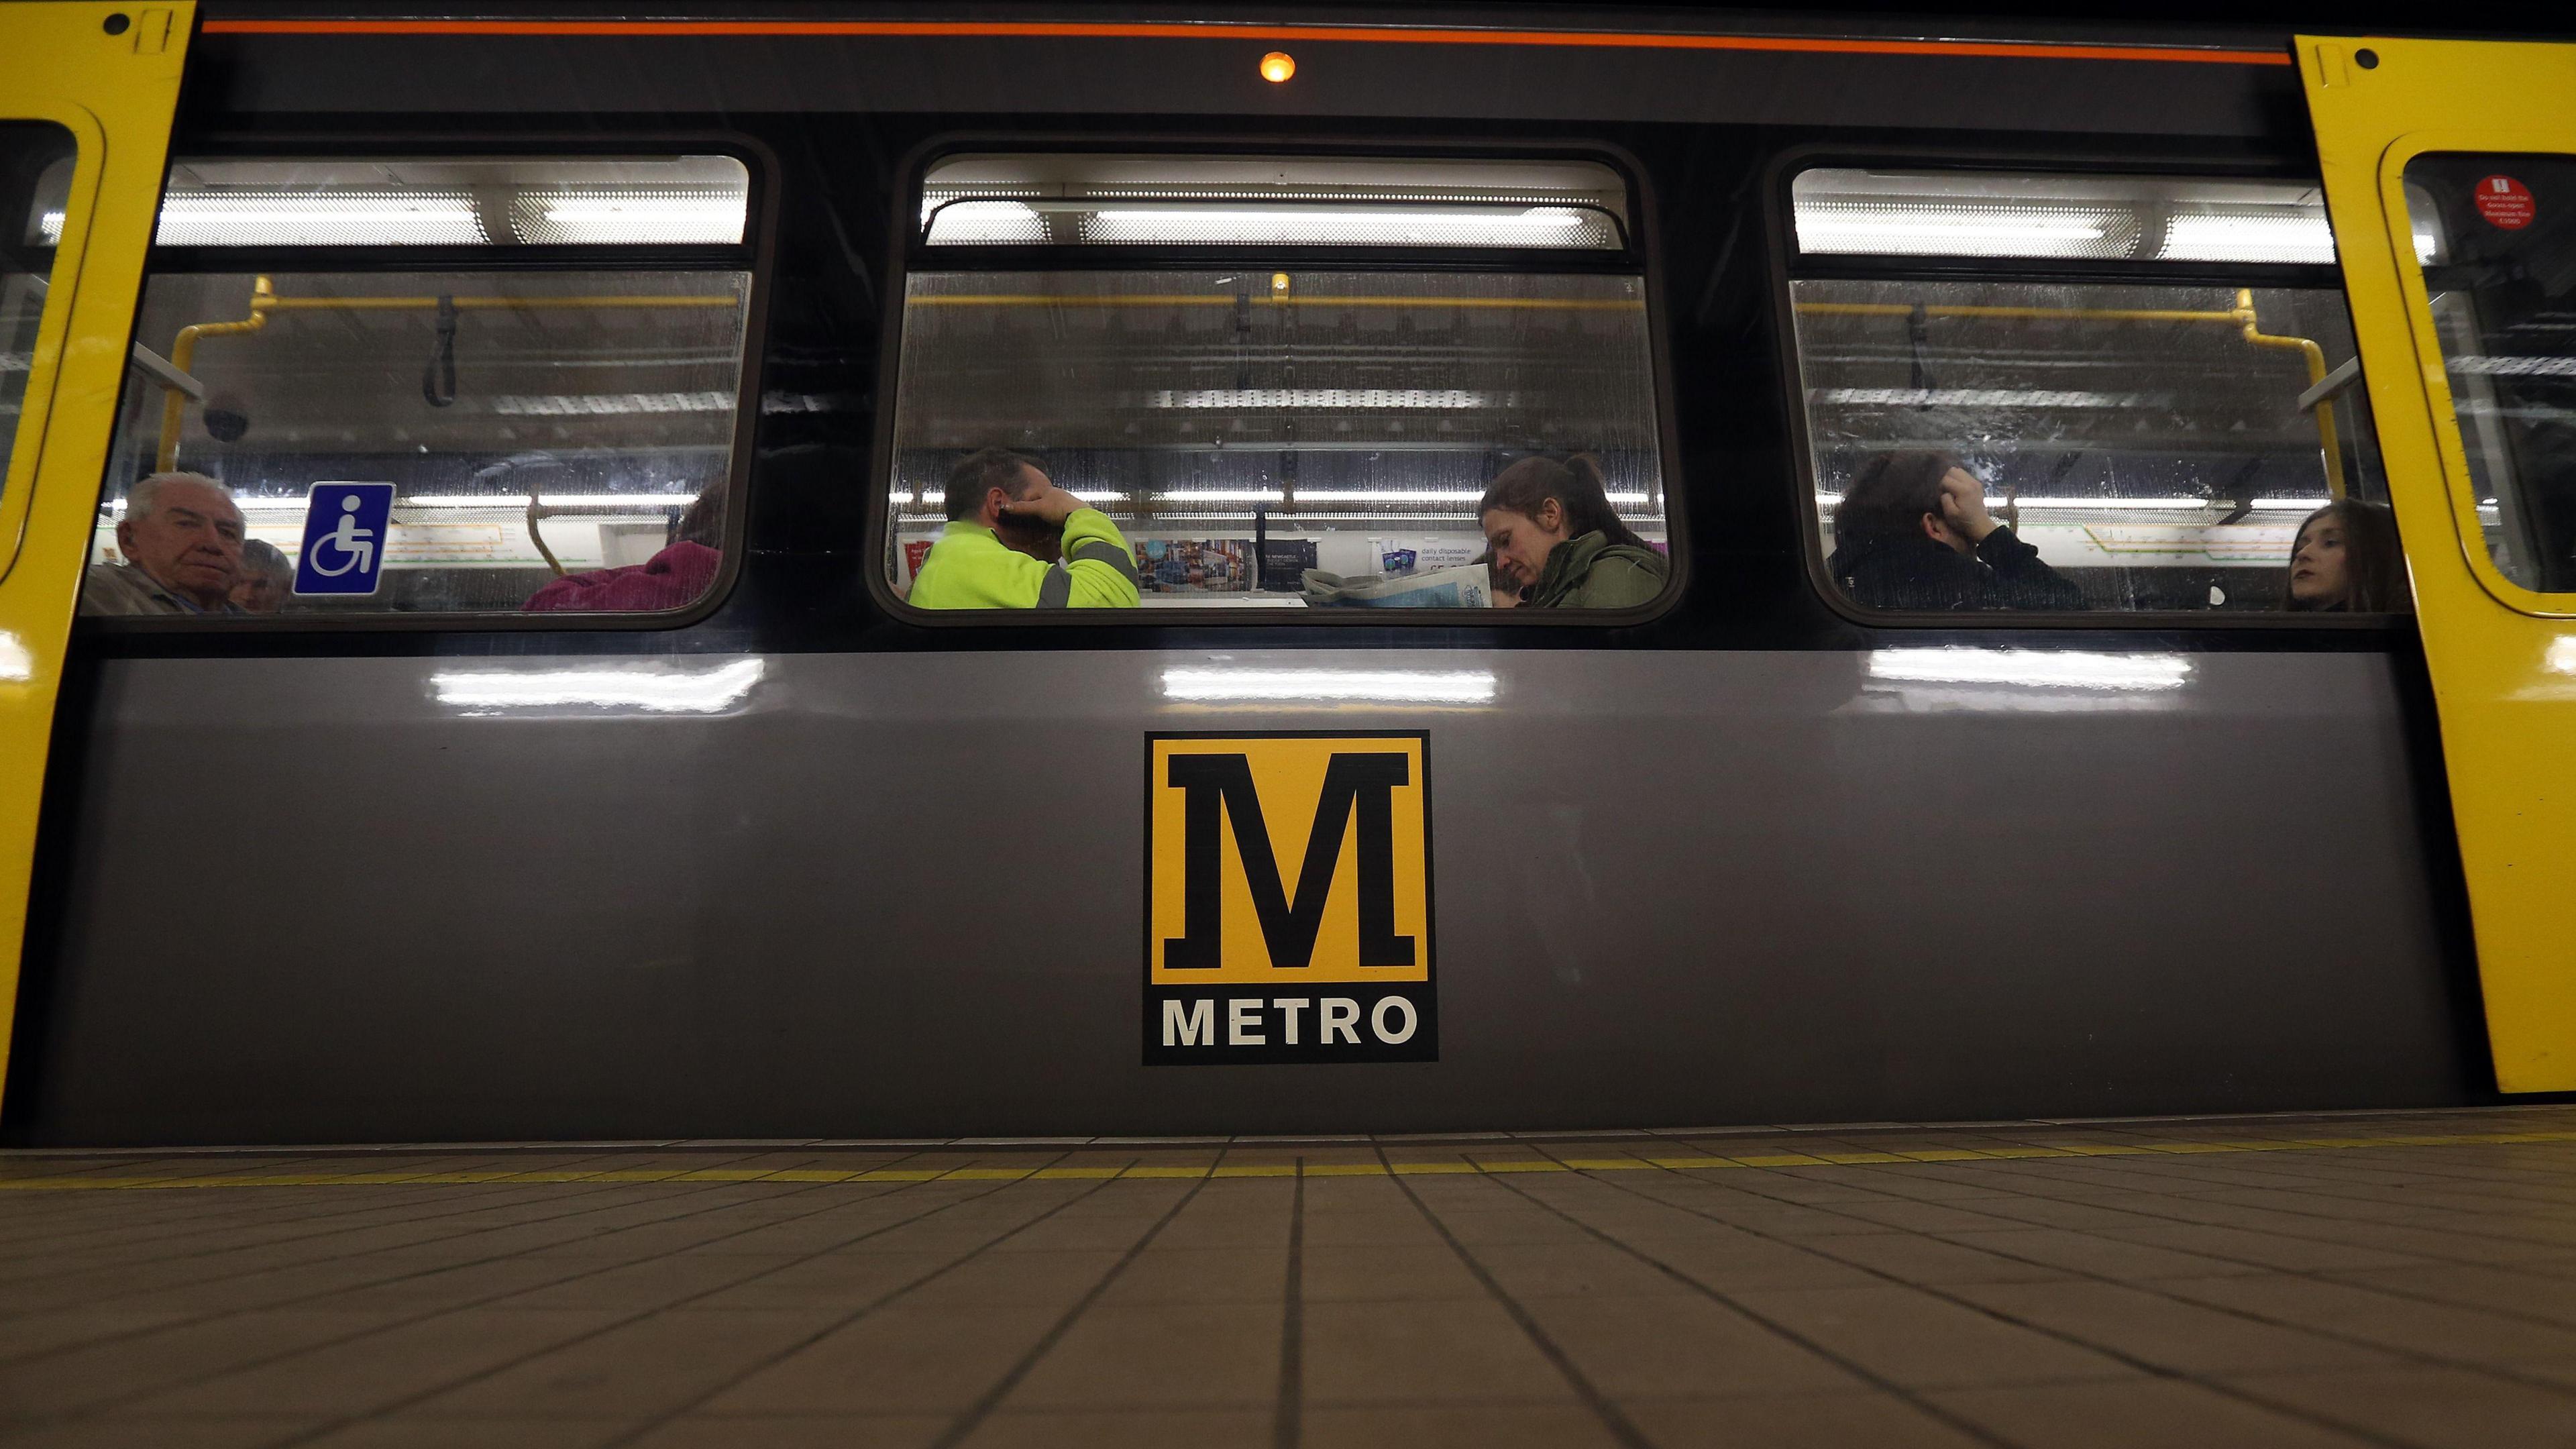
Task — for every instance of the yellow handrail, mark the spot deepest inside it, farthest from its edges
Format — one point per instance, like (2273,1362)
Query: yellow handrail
(264,300)
(2331,446)
(2241,316)
(183,357)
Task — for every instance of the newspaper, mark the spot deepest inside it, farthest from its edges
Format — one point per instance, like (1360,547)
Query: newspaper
(1457,588)
(1421,553)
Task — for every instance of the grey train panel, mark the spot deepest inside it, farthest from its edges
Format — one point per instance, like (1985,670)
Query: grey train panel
(900,894)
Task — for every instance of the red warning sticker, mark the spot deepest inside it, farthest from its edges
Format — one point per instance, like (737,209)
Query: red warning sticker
(2505,203)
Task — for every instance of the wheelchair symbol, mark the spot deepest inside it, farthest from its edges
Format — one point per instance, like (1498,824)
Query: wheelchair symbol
(356,545)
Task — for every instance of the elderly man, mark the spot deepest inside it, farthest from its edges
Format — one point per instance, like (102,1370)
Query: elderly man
(182,541)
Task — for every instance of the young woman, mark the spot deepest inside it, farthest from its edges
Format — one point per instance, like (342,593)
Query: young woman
(2346,560)
(1553,536)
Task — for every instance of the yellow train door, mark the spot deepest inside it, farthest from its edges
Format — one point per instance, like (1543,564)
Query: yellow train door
(87,92)
(2450,172)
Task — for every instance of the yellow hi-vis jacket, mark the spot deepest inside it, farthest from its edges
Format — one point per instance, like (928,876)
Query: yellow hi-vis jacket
(970,568)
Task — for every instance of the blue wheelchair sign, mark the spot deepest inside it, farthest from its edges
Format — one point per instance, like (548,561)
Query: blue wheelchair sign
(344,538)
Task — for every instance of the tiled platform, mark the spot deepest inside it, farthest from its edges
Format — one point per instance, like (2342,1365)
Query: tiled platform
(2278,1282)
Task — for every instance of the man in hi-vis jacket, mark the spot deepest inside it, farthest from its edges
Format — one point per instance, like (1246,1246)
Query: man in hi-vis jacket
(995,492)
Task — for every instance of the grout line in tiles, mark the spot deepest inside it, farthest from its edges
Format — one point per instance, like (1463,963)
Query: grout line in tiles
(973,1416)
(1612,1417)
(2146,1286)
(862,1311)
(1288,1426)
(658,1309)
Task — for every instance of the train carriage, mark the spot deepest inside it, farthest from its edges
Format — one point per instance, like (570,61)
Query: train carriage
(598,383)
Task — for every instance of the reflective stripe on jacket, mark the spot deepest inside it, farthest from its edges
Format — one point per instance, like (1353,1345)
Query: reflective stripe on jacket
(971,568)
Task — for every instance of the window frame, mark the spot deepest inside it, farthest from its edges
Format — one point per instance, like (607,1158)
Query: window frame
(2415,287)
(908,253)
(22,446)
(756,256)
(1787,265)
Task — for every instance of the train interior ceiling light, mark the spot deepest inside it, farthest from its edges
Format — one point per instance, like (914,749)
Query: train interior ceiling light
(658,201)
(1085,200)
(1845,212)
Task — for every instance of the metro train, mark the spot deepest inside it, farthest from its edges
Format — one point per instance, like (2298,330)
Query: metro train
(592,385)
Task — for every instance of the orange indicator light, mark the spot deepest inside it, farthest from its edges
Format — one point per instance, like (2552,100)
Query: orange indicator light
(1277,66)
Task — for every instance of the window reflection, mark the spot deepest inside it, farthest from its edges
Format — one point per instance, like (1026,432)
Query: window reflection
(555,412)
(1244,428)
(2149,442)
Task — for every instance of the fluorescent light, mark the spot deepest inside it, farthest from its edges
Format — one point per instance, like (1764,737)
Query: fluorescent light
(50,227)
(1372,399)
(550,500)
(1537,226)
(1913,228)
(1386,686)
(2512,366)
(571,405)
(2261,505)
(2149,505)
(608,217)
(2157,505)
(1389,495)
(1337,496)
(656,690)
(308,218)
(2219,236)
(937,496)
(2036,668)
(1983,397)
(983,223)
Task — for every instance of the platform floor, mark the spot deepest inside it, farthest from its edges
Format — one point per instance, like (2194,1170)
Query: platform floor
(2276,1281)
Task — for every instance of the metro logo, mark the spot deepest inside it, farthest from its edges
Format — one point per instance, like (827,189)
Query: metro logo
(1245,962)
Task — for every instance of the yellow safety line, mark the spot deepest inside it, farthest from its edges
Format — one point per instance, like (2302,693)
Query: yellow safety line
(1908,1157)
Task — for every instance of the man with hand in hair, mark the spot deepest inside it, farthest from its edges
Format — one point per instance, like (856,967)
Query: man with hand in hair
(1016,541)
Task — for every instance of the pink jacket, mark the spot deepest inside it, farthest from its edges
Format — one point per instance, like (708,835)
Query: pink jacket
(674,578)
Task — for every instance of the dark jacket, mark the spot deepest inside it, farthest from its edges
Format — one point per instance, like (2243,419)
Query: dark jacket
(1590,572)
(1916,572)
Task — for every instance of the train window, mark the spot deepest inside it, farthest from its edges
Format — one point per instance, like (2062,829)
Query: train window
(35,184)
(2067,394)
(536,363)
(1287,384)
(2492,234)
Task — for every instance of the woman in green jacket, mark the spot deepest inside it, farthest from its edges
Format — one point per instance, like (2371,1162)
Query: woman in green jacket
(1551,530)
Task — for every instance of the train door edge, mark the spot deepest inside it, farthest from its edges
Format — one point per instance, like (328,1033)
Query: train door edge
(2450,175)
(85,119)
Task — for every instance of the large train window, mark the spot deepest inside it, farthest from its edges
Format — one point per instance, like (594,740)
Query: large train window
(36,160)
(1286,385)
(2492,234)
(2083,393)
(430,386)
